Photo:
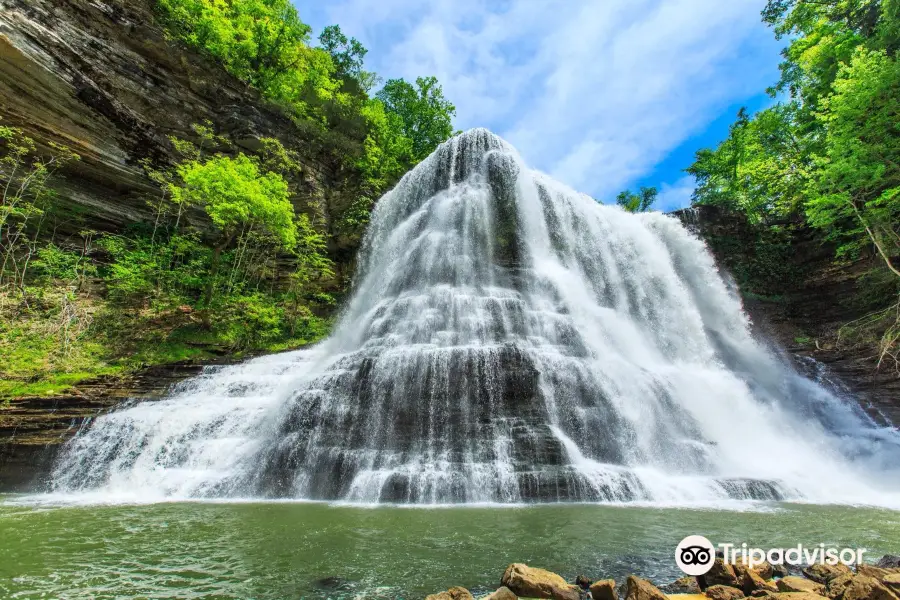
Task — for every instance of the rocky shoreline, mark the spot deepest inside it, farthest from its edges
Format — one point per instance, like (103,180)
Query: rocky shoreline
(724,581)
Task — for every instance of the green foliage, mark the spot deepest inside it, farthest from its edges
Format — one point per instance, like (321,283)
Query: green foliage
(146,270)
(236,195)
(348,56)
(856,191)
(258,269)
(25,195)
(425,115)
(829,153)
(55,263)
(640,202)
(761,168)
(264,43)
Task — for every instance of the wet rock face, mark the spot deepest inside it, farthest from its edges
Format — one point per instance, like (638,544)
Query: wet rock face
(102,79)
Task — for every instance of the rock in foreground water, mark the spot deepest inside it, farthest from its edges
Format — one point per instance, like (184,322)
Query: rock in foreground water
(454,593)
(641,589)
(799,584)
(531,582)
(723,592)
(605,589)
(721,573)
(825,573)
(503,593)
(864,587)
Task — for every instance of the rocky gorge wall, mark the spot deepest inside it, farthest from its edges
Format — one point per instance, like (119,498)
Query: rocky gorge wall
(103,79)
(799,297)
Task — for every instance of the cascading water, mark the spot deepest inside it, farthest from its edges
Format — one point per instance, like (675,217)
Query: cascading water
(508,340)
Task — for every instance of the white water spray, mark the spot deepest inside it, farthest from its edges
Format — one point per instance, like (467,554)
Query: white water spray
(507,340)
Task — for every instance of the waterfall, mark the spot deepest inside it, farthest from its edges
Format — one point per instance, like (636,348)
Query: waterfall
(507,340)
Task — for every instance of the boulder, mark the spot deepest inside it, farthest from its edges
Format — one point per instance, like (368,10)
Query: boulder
(752,581)
(873,572)
(531,582)
(889,561)
(454,593)
(763,569)
(892,581)
(836,587)
(723,592)
(824,573)
(721,573)
(800,584)
(503,593)
(863,587)
(605,589)
(795,596)
(779,570)
(640,589)
(683,585)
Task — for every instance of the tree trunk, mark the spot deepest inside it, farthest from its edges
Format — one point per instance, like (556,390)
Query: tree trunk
(213,271)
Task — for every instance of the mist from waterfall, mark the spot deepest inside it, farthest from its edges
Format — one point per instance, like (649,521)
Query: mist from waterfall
(507,340)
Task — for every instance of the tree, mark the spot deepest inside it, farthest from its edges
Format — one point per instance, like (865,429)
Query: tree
(858,180)
(640,202)
(236,196)
(829,153)
(25,196)
(426,117)
(762,168)
(348,56)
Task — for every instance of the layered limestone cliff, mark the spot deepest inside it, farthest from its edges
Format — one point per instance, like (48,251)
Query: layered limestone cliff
(103,79)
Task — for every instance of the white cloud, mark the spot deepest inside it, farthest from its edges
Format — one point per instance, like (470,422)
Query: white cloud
(677,195)
(596,93)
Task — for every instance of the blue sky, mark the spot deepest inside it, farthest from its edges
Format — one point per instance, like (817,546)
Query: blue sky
(601,94)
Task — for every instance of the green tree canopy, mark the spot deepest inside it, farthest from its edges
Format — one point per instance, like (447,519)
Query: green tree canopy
(426,117)
(856,191)
(829,151)
(237,196)
(640,202)
(348,56)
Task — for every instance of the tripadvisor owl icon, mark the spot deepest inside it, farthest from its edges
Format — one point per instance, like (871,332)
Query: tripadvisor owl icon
(695,555)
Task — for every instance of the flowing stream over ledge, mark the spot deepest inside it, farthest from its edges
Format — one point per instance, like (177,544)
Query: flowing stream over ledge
(508,340)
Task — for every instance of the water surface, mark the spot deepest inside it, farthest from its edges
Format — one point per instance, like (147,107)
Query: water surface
(305,550)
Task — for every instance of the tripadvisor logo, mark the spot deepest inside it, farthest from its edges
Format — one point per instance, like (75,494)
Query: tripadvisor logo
(695,555)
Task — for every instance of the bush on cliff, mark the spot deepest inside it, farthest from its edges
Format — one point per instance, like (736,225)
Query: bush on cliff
(79,307)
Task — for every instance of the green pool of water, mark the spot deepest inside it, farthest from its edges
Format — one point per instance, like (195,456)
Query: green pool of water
(296,550)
